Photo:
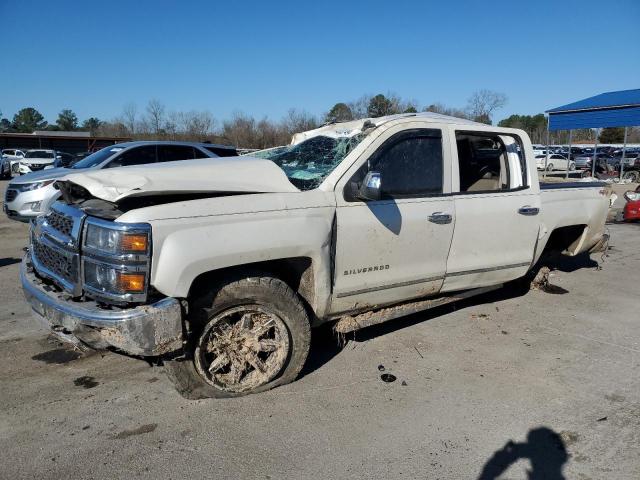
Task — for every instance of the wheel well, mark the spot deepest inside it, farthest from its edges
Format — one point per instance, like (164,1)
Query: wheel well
(296,272)
(564,238)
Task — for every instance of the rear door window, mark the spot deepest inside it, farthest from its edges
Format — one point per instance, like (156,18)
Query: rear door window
(135,156)
(173,153)
(222,152)
(200,154)
(490,162)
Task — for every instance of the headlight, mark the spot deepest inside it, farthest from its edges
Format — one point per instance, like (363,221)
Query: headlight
(116,242)
(116,260)
(28,187)
(110,280)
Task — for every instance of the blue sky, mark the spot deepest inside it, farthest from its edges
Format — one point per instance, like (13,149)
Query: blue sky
(264,57)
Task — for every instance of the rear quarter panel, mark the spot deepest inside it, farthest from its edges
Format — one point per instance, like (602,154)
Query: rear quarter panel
(562,207)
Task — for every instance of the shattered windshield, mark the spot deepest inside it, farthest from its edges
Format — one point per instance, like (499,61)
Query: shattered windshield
(308,163)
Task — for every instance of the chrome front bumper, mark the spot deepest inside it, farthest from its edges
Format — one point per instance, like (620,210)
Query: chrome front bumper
(147,330)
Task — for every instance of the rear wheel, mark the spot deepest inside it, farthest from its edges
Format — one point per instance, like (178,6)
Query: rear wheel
(572,166)
(250,335)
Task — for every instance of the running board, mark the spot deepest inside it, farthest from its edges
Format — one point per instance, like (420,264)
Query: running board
(351,323)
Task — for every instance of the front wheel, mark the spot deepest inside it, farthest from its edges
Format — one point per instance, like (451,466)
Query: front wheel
(572,166)
(550,167)
(250,335)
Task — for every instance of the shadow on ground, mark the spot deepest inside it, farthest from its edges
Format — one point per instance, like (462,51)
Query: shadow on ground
(567,264)
(544,449)
(9,261)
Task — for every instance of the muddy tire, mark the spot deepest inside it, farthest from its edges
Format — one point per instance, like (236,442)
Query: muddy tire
(249,335)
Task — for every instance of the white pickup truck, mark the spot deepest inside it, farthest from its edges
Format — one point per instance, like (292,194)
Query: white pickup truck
(220,267)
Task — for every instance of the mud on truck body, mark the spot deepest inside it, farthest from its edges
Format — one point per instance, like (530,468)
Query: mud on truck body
(220,267)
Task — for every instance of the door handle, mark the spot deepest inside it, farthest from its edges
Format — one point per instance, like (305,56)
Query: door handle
(528,210)
(440,218)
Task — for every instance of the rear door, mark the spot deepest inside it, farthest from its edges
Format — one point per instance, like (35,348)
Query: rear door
(497,203)
(395,248)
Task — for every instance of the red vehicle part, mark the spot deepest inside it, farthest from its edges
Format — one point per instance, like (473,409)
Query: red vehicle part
(632,211)
(632,207)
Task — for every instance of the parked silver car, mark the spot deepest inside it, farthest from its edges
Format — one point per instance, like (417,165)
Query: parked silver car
(10,158)
(32,194)
(584,161)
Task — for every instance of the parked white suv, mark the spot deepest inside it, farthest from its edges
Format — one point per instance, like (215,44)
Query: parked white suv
(8,158)
(555,161)
(36,160)
(30,195)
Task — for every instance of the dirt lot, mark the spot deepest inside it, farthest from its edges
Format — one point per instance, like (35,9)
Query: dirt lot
(557,375)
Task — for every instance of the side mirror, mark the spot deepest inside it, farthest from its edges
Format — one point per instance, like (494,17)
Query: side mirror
(370,188)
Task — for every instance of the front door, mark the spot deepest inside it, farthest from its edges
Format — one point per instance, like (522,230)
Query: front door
(395,248)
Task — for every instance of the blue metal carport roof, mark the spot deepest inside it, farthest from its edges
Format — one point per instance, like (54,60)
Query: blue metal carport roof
(611,109)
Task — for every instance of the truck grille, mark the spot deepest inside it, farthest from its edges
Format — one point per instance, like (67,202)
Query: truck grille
(55,246)
(10,196)
(56,262)
(60,222)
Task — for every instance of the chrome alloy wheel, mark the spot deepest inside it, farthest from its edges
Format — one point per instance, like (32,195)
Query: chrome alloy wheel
(242,348)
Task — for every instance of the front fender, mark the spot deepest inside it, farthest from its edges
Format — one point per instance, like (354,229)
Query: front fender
(187,248)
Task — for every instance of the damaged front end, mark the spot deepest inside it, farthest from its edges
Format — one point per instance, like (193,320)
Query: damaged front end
(88,279)
(146,330)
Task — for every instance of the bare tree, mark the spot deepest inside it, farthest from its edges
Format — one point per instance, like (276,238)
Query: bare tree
(483,103)
(198,124)
(634,135)
(359,107)
(299,121)
(114,128)
(129,114)
(173,125)
(155,116)
(240,130)
(444,110)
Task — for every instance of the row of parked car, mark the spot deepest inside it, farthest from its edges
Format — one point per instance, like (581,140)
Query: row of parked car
(15,161)
(607,159)
(31,191)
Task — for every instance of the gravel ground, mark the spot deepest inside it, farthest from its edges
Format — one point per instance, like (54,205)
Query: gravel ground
(501,384)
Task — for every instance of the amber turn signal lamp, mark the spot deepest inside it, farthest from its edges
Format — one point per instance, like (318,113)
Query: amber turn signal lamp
(131,282)
(134,243)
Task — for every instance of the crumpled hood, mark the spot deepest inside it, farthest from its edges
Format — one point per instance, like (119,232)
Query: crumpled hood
(42,175)
(229,174)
